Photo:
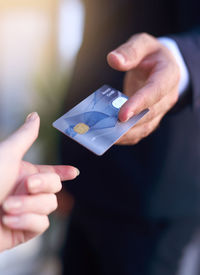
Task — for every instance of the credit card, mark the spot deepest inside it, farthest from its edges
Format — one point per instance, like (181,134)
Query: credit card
(94,122)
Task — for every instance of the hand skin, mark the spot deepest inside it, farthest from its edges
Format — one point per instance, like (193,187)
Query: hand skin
(151,81)
(27,191)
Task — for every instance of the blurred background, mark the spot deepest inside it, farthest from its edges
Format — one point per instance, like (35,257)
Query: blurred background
(39,41)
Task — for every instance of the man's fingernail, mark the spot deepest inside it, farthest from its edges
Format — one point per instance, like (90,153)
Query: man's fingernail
(130,115)
(10,220)
(119,56)
(78,172)
(12,204)
(34,185)
(32,116)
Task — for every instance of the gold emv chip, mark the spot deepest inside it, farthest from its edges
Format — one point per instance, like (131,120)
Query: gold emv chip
(81,128)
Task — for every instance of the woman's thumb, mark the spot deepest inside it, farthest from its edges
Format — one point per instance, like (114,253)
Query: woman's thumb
(21,140)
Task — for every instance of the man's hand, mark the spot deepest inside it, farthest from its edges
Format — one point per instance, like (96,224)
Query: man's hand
(151,81)
(27,191)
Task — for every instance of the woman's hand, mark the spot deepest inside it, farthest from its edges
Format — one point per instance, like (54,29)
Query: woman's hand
(27,191)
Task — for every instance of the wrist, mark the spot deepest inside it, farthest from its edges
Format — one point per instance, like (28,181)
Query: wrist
(184,74)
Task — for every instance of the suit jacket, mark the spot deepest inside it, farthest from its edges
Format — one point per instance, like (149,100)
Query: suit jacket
(160,176)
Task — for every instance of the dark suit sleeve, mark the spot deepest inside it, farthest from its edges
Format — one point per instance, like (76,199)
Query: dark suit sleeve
(104,32)
(189,45)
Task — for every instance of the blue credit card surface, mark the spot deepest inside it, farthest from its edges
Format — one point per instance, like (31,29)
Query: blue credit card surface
(94,122)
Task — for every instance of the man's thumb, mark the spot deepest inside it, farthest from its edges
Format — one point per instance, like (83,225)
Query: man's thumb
(20,141)
(130,54)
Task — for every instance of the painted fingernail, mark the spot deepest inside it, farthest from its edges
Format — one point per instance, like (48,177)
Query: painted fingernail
(78,172)
(31,116)
(12,204)
(119,56)
(10,220)
(34,185)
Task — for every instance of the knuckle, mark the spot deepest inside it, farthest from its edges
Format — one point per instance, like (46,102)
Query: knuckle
(142,102)
(145,36)
(152,113)
(50,204)
(158,90)
(59,186)
(57,178)
(147,129)
(54,203)
(129,50)
(156,123)
(53,182)
(58,183)
(34,177)
(136,141)
(30,178)
(27,180)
